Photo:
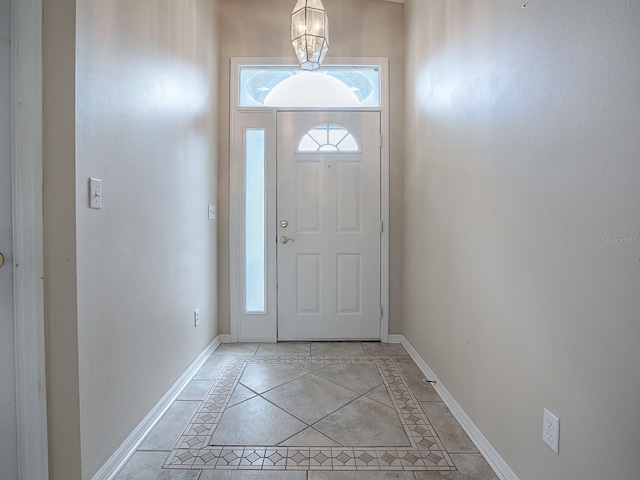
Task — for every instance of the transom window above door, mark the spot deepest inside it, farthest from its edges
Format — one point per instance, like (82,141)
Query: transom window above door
(328,137)
(331,86)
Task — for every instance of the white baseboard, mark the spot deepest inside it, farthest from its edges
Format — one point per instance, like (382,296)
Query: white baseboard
(224,338)
(495,460)
(122,455)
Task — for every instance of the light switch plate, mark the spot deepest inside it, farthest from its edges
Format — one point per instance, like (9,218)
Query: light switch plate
(95,193)
(212,212)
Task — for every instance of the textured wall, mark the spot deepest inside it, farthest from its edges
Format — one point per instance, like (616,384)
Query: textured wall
(359,28)
(146,125)
(521,179)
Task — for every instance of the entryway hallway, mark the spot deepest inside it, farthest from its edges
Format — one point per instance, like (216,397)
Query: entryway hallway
(308,411)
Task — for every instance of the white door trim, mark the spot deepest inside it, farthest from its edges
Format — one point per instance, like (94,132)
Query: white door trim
(251,327)
(236,186)
(26,121)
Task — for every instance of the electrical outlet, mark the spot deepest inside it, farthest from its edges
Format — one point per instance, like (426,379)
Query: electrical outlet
(551,430)
(196,317)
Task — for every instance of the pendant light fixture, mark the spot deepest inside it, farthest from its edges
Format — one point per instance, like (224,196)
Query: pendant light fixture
(310,33)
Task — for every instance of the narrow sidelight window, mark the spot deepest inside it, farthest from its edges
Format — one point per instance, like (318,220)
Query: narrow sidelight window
(254,227)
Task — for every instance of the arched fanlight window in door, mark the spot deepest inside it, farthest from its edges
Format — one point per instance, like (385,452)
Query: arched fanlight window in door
(329,137)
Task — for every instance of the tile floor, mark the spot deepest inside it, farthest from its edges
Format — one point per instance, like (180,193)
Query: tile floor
(308,411)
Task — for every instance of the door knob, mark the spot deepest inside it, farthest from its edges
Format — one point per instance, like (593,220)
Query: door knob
(1,259)
(284,223)
(285,240)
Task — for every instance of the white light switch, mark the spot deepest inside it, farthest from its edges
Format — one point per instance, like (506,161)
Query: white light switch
(212,212)
(95,193)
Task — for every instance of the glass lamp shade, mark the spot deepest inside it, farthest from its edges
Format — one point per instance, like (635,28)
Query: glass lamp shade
(310,33)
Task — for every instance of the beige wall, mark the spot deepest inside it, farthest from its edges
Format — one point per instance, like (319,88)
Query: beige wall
(522,156)
(145,123)
(59,228)
(365,28)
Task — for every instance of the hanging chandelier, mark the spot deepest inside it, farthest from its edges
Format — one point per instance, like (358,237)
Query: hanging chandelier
(310,33)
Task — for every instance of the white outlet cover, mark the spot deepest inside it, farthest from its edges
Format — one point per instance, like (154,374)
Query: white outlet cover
(196,317)
(551,430)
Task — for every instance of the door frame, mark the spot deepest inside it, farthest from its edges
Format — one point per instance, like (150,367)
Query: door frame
(238,118)
(28,264)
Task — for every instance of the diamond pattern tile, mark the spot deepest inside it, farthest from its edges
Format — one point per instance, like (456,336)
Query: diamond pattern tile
(329,411)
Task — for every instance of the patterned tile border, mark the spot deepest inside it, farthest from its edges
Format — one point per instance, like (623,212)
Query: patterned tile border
(192,450)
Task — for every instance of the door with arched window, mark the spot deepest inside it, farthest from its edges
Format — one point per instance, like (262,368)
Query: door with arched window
(328,213)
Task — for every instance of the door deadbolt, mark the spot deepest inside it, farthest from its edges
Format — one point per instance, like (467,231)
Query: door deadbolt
(284,223)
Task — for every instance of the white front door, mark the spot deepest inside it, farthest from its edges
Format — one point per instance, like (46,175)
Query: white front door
(8,438)
(329,224)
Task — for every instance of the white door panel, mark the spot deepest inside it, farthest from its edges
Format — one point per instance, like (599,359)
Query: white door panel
(8,439)
(329,274)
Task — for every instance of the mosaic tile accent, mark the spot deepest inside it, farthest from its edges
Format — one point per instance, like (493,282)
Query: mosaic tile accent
(193,449)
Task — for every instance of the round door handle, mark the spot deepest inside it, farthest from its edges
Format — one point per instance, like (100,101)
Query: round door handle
(1,259)
(286,240)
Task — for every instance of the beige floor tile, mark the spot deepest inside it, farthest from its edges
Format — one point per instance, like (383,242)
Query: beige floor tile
(307,392)
(168,429)
(284,348)
(474,465)
(368,475)
(424,392)
(310,398)
(252,475)
(148,466)
(359,378)
(379,348)
(196,390)
(240,394)
(212,367)
(409,369)
(453,436)
(380,394)
(255,422)
(364,423)
(337,348)
(442,476)
(470,467)
(310,438)
(237,349)
(263,377)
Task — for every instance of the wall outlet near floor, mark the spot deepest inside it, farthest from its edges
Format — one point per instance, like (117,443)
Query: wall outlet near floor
(551,430)
(196,317)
